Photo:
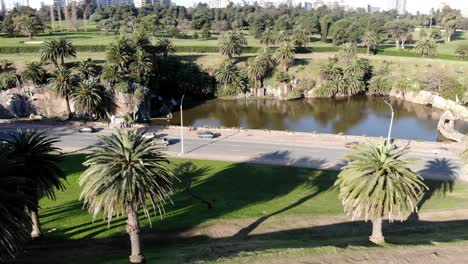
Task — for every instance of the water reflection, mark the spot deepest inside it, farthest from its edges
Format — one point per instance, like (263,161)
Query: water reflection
(354,116)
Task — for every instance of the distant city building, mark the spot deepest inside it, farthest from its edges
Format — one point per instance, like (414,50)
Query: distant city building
(372,9)
(308,5)
(398,5)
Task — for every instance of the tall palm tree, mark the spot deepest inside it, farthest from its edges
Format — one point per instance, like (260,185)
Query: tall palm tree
(34,72)
(87,68)
(87,97)
(50,52)
(426,47)
(65,49)
(63,83)
(377,182)
(231,43)
(285,55)
(257,70)
(268,37)
(111,74)
(370,40)
(122,176)
(120,53)
(165,47)
(300,37)
(141,65)
(37,161)
(14,220)
(265,55)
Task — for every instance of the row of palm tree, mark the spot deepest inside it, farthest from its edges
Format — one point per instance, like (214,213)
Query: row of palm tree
(299,37)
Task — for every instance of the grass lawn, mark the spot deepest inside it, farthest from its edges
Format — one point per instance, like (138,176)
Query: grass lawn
(95,37)
(240,193)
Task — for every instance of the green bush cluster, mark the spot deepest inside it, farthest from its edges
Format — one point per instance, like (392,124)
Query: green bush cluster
(7,82)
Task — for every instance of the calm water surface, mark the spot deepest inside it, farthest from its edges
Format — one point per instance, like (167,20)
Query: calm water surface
(368,116)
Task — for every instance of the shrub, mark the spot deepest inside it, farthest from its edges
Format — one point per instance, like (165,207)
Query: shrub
(7,82)
(324,91)
(462,51)
(406,85)
(379,85)
(282,77)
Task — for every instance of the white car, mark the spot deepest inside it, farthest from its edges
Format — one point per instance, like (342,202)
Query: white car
(207,134)
(87,129)
(149,135)
(157,141)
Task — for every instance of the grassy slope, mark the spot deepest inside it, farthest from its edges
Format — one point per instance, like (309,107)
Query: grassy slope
(238,191)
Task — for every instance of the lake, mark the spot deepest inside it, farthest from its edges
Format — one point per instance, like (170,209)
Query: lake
(359,115)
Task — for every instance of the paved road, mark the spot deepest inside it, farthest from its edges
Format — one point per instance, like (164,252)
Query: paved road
(284,151)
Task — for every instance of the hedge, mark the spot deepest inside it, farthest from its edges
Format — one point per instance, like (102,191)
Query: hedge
(214,49)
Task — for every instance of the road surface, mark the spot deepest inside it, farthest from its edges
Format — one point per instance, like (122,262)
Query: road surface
(279,148)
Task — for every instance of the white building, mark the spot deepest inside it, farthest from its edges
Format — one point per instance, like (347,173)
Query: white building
(398,5)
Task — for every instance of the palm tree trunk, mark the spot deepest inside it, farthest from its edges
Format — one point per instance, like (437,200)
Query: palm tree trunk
(36,224)
(62,60)
(377,235)
(397,44)
(133,230)
(67,99)
(368,50)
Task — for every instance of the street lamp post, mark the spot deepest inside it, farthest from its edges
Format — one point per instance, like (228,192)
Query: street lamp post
(181,126)
(391,122)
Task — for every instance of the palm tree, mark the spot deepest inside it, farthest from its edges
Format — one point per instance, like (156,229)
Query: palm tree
(49,51)
(122,176)
(140,39)
(377,182)
(141,65)
(65,49)
(63,83)
(111,74)
(300,37)
(257,70)
(120,53)
(354,86)
(227,73)
(358,68)
(348,52)
(281,37)
(268,37)
(379,85)
(231,43)
(37,161)
(165,47)
(266,57)
(14,220)
(87,68)
(339,85)
(370,39)
(330,70)
(34,72)
(426,47)
(87,97)
(285,55)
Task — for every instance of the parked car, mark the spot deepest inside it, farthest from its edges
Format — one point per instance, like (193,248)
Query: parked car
(352,144)
(207,134)
(87,129)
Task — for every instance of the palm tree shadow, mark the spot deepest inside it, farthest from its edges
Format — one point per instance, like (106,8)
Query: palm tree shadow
(322,182)
(441,187)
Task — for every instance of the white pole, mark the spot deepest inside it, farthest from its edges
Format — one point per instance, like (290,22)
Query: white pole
(391,122)
(182,126)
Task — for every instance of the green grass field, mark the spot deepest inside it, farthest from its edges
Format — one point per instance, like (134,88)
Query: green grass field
(241,194)
(95,37)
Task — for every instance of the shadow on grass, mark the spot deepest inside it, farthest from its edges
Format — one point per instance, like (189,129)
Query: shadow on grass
(232,189)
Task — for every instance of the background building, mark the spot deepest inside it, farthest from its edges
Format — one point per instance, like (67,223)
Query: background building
(398,5)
